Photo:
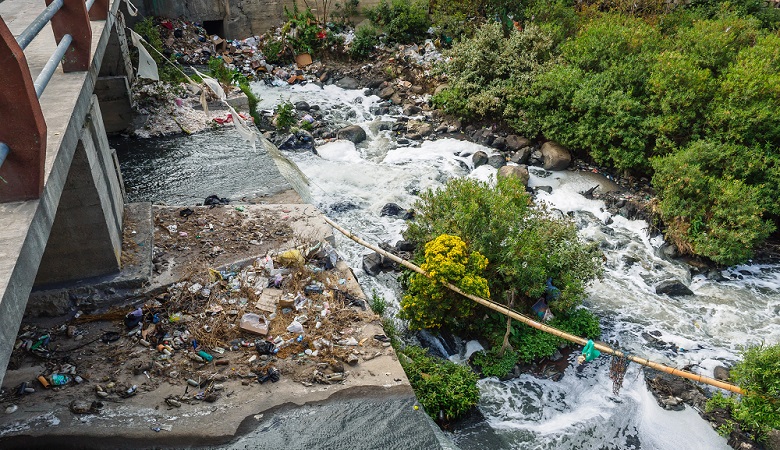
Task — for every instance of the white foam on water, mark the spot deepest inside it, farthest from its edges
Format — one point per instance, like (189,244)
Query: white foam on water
(579,412)
(343,151)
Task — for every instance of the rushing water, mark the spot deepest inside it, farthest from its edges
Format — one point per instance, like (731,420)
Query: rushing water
(351,184)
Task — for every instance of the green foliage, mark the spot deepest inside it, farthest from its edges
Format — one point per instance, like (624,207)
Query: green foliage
(427,302)
(747,103)
(403,21)
(758,374)
(274,52)
(220,71)
(493,365)
(378,303)
(303,28)
(523,244)
(253,101)
(366,39)
(285,115)
(440,385)
(715,198)
(343,12)
(530,343)
(150,31)
(168,71)
(488,74)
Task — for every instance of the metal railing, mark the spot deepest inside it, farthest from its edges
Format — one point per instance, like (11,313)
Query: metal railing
(23,135)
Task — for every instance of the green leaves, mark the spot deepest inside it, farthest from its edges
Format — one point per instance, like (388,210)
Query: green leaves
(758,374)
(440,385)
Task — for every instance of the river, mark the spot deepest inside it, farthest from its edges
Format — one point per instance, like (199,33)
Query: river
(352,183)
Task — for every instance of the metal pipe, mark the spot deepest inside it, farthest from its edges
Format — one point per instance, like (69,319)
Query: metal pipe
(35,27)
(51,65)
(4,151)
(89,4)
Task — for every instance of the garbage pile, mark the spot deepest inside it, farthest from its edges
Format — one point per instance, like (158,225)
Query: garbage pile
(288,314)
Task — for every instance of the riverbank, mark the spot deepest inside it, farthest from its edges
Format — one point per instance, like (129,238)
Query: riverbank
(155,369)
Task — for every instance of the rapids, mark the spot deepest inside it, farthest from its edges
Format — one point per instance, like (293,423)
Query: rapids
(351,183)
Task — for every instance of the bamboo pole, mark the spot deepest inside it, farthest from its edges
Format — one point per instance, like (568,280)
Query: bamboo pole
(546,328)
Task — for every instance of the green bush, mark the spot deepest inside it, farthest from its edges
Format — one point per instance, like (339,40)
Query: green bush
(365,40)
(378,303)
(715,199)
(403,21)
(494,365)
(285,116)
(530,343)
(524,245)
(306,28)
(488,73)
(220,71)
(758,374)
(428,303)
(441,386)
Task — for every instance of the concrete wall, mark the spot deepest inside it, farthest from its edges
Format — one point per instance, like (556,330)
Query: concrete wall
(242,18)
(86,237)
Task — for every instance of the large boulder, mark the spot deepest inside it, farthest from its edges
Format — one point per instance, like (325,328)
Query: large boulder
(352,133)
(479,158)
(497,161)
(393,210)
(555,156)
(672,288)
(521,156)
(386,93)
(721,373)
(373,263)
(520,172)
(515,142)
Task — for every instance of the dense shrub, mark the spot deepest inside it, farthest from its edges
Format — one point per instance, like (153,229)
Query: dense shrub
(758,374)
(365,40)
(523,244)
(403,21)
(715,198)
(488,73)
(441,386)
(427,302)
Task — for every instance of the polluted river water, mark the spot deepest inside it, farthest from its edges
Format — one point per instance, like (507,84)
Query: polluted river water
(351,183)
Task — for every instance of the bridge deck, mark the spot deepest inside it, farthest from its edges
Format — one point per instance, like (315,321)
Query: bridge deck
(25,226)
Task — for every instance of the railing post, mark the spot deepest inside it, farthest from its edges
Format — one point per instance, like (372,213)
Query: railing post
(99,10)
(72,19)
(22,127)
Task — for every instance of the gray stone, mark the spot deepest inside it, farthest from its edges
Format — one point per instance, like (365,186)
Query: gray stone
(497,161)
(499,143)
(479,158)
(547,189)
(520,172)
(672,288)
(372,263)
(348,83)
(555,156)
(515,142)
(352,133)
(386,93)
(396,99)
(521,156)
(302,106)
(773,440)
(411,110)
(721,373)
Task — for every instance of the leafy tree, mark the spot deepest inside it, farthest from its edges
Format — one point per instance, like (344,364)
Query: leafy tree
(430,304)
(758,374)
(524,245)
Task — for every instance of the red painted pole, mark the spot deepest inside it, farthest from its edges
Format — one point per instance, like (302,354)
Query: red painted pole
(99,10)
(73,19)
(22,126)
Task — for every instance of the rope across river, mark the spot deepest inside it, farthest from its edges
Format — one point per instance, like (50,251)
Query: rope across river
(546,328)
